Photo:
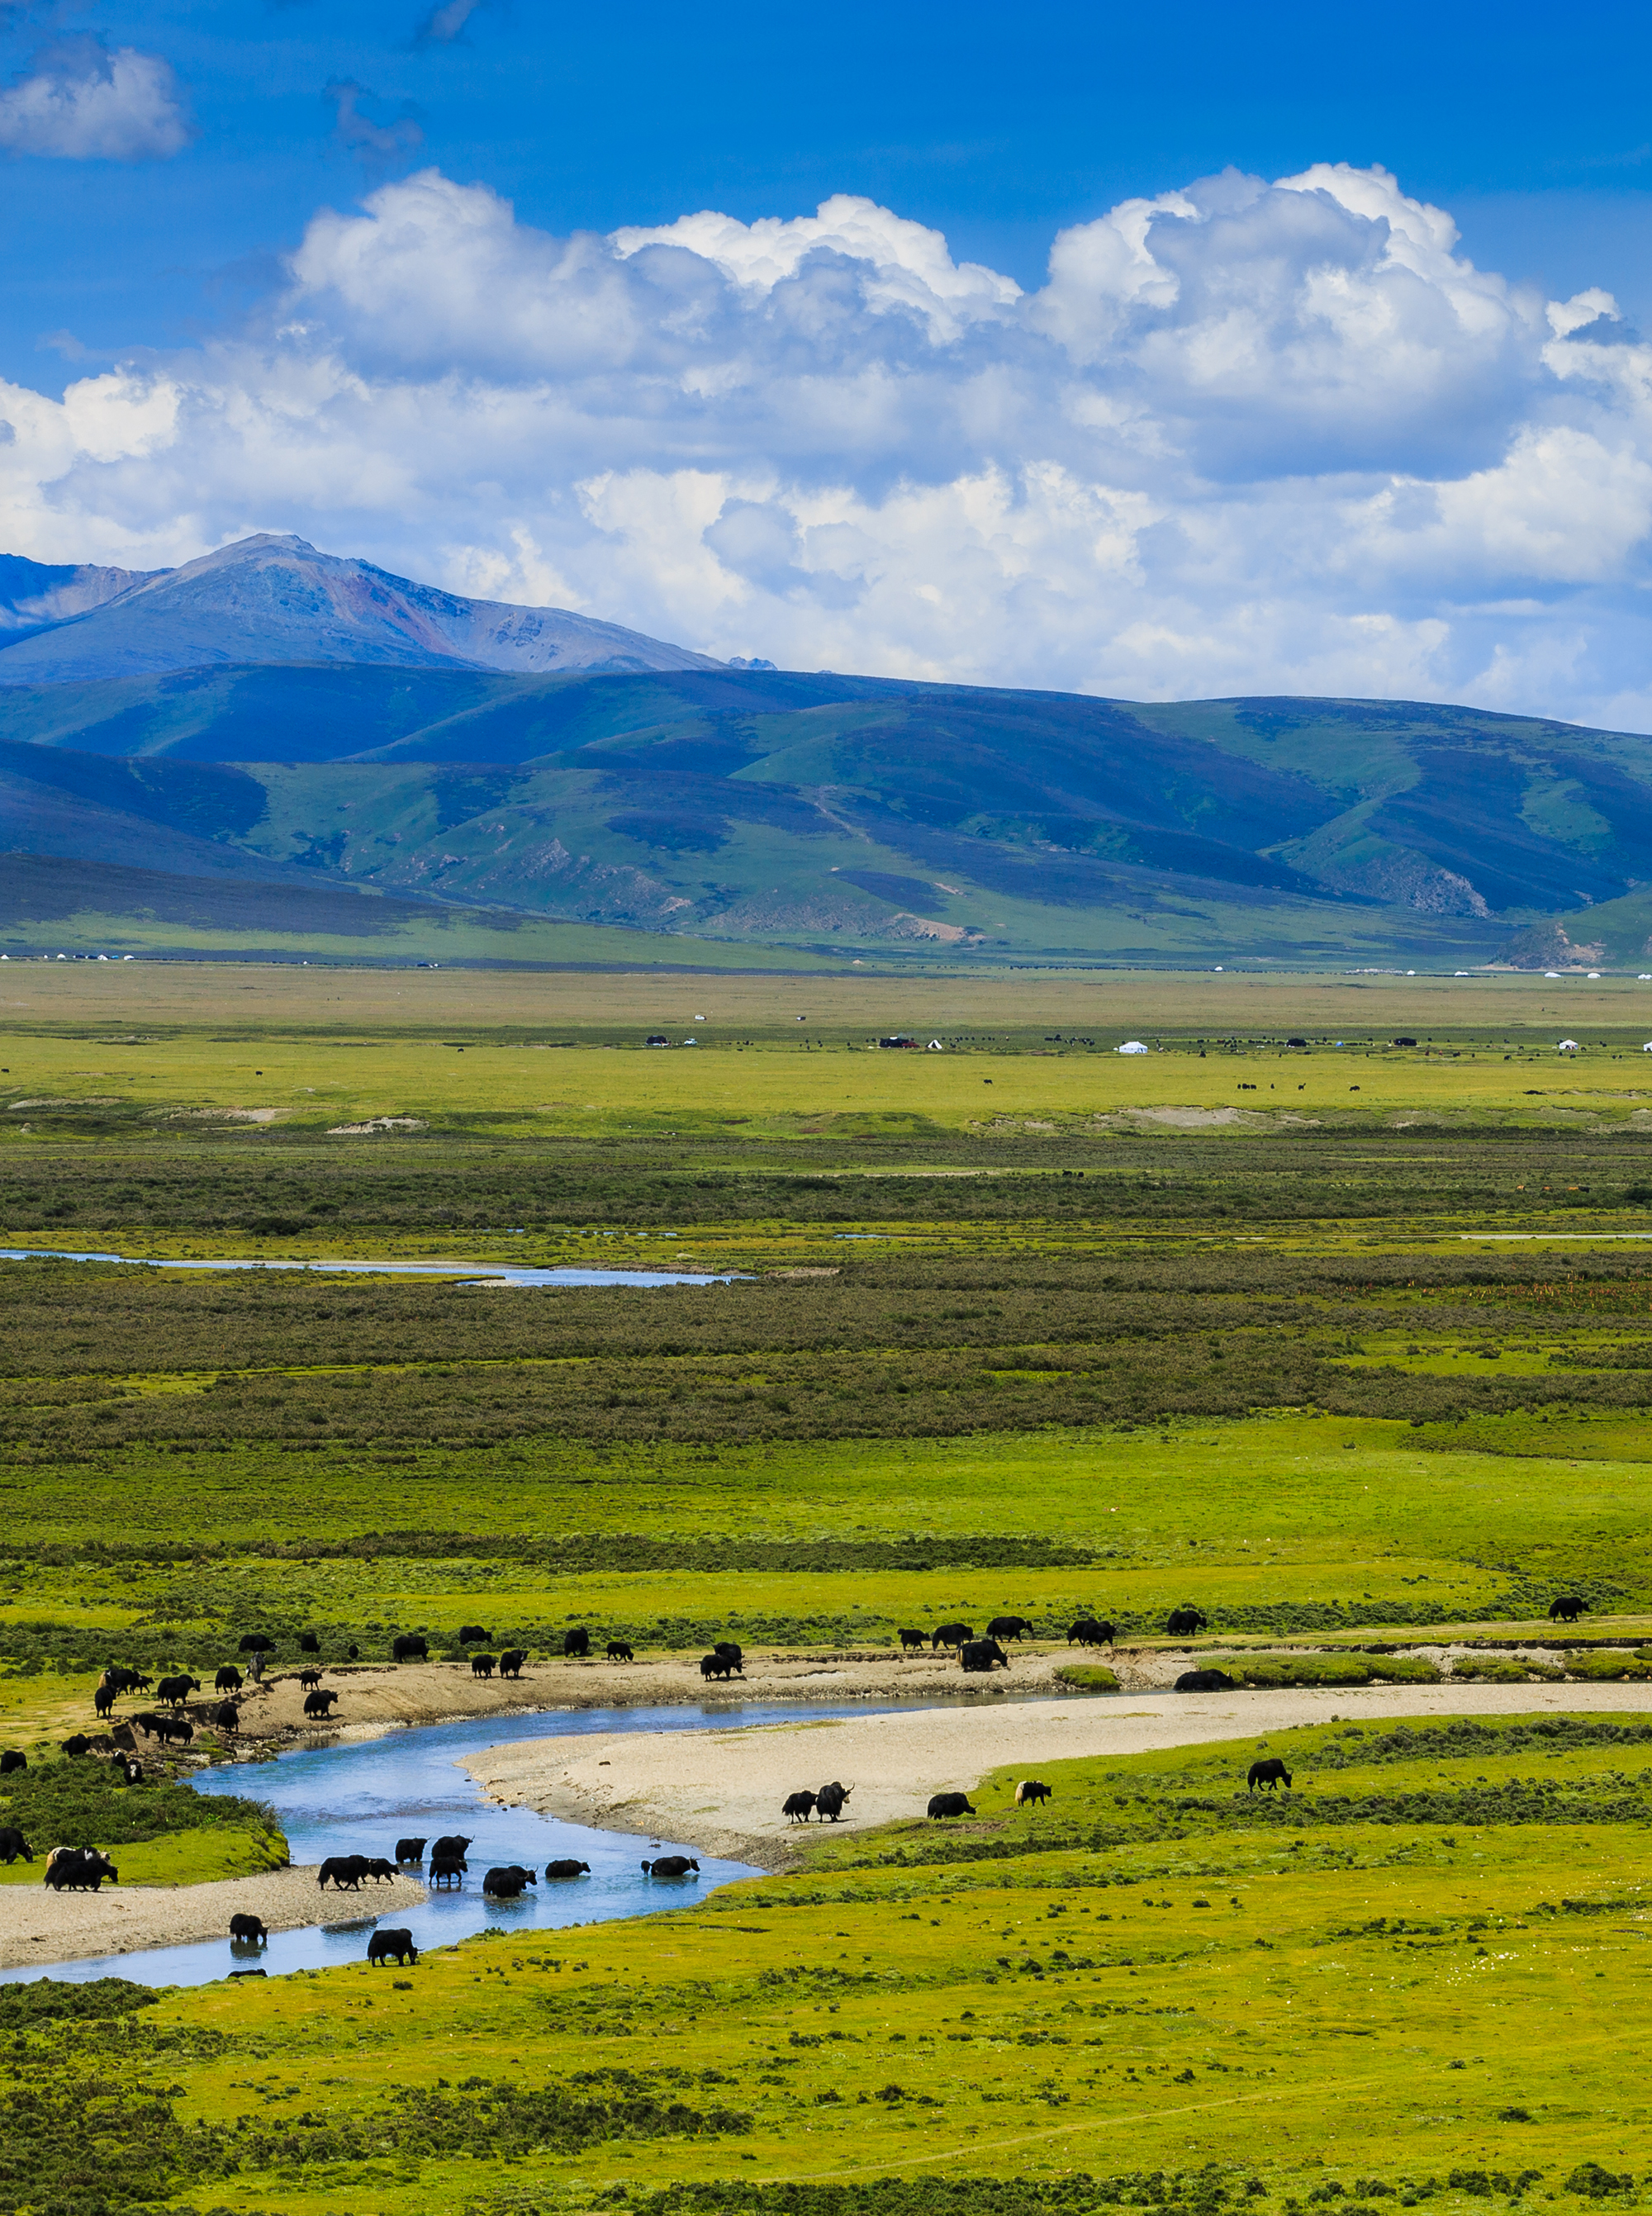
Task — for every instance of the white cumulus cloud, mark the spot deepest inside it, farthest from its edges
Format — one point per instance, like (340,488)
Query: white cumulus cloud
(80,102)
(1246,437)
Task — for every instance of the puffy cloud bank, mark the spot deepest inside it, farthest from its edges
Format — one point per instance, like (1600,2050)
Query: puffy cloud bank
(1247,437)
(79,103)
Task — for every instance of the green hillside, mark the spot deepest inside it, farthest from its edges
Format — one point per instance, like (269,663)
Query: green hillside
(856,817)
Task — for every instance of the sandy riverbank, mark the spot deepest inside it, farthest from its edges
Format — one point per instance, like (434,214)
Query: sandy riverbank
(722,1790)
(38,1926)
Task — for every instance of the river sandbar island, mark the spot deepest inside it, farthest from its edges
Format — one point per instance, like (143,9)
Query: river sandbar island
(722,1790)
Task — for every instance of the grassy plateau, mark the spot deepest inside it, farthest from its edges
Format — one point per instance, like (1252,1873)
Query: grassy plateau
(1021,1324)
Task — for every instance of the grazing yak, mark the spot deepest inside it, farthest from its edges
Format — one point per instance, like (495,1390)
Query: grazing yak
(228,1680)
(308,1643)
(736,1654)
(720,1665)
(256,1642)
(1181,1620)
(671,1866)
(951,1634)
(618,1652)
(511,1661)
(507,1883)
(828,1802)
(567,1868)
(13,1843)
(78,1869)
(129,1773)
(321,1704)
(410,1850)
(914,1642)
(168,1728)
(949,1804)
(484,1665)
(1204,1680)
(1271,1773)
(76,1744)
(398,1943)
(409,1648)
(1568,1608)
(446,1870)
(1009,1627)
(797,1807)
(12,1760)
(1030,1792)
(472,1635)
(175,1691)
(104,1698)
(310,1679)
(577,1643)
(226,1717)
(1092,1631)
(380,1871)
(344,1873)
(982,1654)
(247,1931)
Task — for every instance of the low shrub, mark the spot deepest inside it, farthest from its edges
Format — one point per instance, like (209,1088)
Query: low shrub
(1088,1678)
(1603,1664)
(1505,1670)
(1289,1670)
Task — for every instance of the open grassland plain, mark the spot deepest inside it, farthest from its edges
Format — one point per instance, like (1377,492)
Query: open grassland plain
(1021,1327)
(1413,1979)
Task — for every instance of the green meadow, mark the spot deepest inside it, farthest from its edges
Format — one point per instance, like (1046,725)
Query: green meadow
(1013,1326)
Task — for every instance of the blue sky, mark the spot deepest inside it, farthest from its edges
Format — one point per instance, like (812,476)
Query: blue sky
(1530,123)
(1360,403)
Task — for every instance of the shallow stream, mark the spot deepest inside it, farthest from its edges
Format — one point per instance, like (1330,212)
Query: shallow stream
(501,1273)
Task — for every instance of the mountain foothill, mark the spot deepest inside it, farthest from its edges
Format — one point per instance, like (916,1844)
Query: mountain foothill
(270,731)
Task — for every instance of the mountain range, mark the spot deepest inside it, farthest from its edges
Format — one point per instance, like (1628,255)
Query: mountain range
(273,717)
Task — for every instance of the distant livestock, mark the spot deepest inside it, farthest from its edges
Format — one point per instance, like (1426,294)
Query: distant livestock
(378,1869)
(446,1870)
(127,1772)
(736,1654)
(1568,1608)
(226,1717)
(1270,1775)
(344,1873)
(13,1843)
(398,1943)
(618,1652)
(797,1807)
(256,1642)
(308,1643)
(12,1760)
(982,1654)
(949,1804)
(228,1680)
(76,1744)
(410,1850)
(1092,1631)
(1030,1792)
(914,1641)
(103,1699)
(484,1665)
(576,1642)
(511,1661)
(719,1666)
(1181,1620)
(310,1679)
(1009,1627)
(1205,1681)
(951,1634)
(507,1883)
(168,1729)
(559,1870)
(472,1635)
(671,1866)
(409,1648)
(452,1843)
(175,1691)
(828,1802)
(320,1704)
(247,1931)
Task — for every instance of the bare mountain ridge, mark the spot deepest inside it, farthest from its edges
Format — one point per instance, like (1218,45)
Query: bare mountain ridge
(274,599)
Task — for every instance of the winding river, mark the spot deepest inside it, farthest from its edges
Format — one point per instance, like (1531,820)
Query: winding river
(361,1797)
(495,1273)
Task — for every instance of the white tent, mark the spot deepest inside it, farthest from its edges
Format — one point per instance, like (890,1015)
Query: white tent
(1132,1046)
